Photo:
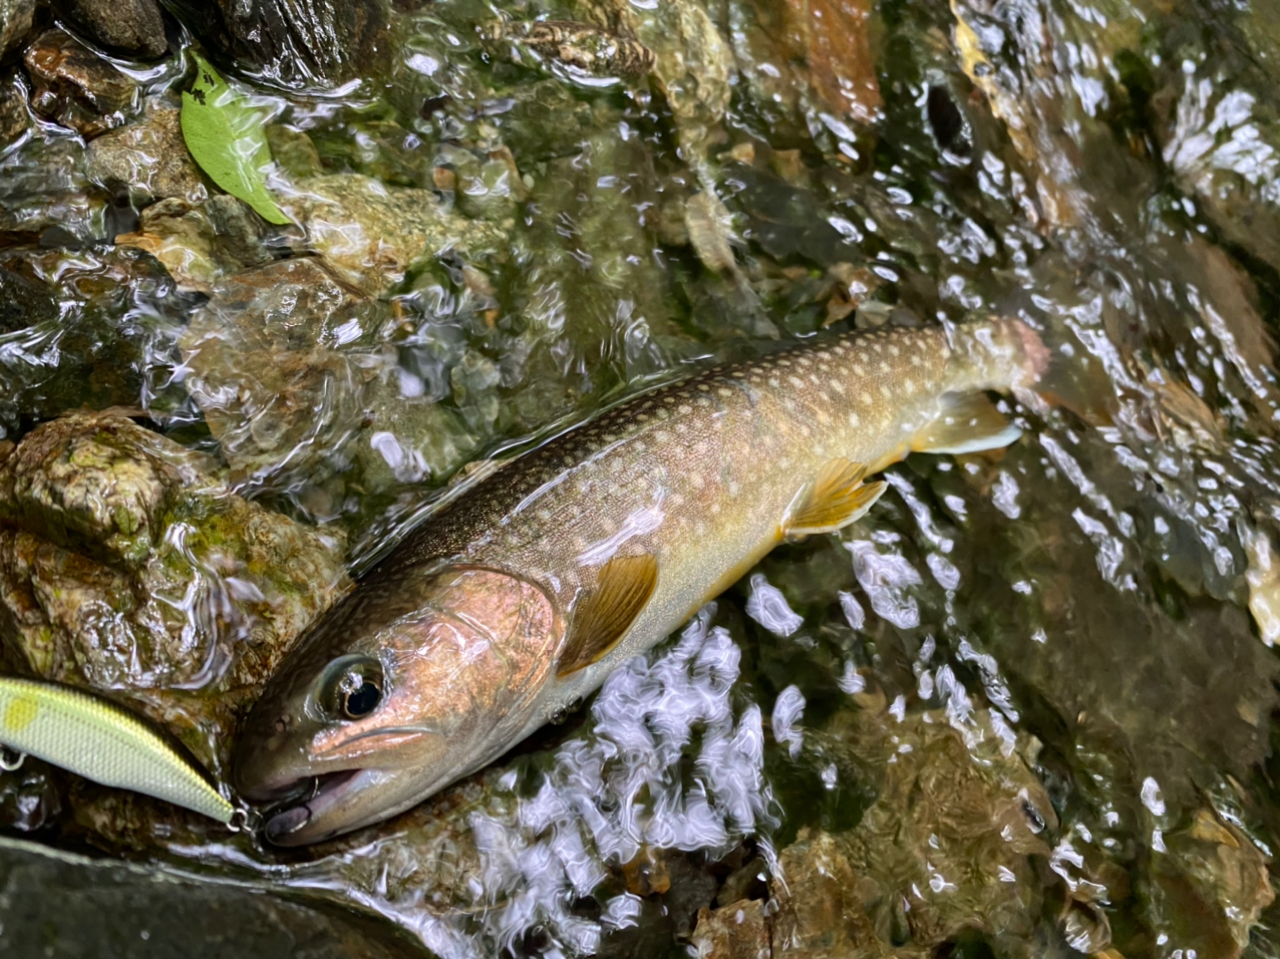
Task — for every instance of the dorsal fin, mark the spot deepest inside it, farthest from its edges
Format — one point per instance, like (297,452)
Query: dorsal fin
(834,500)
(968,423)
(604,615)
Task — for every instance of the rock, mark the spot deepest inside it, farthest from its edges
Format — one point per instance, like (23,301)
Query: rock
(735,931)
(1210,888)
(48,193)
(821,53)
(581,49)
(294,378)
(371,235)
(692,63)
(76,88)
(317,44)
(15,20)
(139,912)
(88,352)
(24,302)
(1263,577)
(148,158)
(949,838)
(125,565)
(134,28)
(15,120)
(198,244)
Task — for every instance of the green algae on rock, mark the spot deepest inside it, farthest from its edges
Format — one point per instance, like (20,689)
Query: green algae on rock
(124,564)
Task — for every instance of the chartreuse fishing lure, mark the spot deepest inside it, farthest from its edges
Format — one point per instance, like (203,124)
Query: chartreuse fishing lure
(100,740)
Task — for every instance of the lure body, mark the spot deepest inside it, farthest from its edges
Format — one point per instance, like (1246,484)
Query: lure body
(95,738)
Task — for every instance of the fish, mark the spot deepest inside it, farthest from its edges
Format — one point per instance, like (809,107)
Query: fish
(103,741)
(518,597)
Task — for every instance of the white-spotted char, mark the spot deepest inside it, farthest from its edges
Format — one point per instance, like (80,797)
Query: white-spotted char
(524,592)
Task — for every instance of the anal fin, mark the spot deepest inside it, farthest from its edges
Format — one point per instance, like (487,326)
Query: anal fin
(603,616)
(968,423)
(835,499)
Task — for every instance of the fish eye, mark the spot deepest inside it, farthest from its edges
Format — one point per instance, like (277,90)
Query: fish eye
(352,687)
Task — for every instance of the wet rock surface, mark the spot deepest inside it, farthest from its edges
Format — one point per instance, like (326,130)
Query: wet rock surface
(295,374)
(316,43)
(101,907)
(125,565)
(16,17)
(132,28)
(147,159)
(371,235)
(74,87)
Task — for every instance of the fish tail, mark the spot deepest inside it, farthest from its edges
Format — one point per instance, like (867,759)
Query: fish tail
(1001,354)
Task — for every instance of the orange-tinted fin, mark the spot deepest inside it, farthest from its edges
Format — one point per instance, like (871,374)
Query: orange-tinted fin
(968,423)
(605,614)
(834,500)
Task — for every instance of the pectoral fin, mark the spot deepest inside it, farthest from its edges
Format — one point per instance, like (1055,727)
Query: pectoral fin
(837,498)
(604,615)
(968,423)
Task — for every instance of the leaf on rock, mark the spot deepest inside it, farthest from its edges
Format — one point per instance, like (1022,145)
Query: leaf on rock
(224,132)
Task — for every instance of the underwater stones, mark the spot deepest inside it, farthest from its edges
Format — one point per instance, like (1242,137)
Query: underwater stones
(810,55)
(199,242)
(370,235)
(147,158)
(132,28)
(75,87)
(23,302)
(14,118)
(316,43)
(295,379)
(15,20)
(124,564)
(736,931)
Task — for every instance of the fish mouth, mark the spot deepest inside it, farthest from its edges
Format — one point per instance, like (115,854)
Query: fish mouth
(312,819)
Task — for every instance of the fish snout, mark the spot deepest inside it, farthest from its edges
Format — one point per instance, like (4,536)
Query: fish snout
(260,767)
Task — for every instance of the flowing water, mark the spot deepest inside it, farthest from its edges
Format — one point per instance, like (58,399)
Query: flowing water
(1025,706)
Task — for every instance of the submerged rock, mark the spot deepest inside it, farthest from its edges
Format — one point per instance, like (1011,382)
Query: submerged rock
(297,380)
(147,158)
(125,565)
(200,243)
(73,86)
(946,846)
(316,43)
(128,27)
(583,48)
(16,17)
(371,235)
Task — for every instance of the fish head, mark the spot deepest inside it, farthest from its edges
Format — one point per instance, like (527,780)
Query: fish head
(404,688)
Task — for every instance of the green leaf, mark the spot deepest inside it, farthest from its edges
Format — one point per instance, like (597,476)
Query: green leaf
(224,132)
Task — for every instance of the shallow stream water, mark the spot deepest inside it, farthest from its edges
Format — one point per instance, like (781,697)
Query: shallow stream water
(1026,706)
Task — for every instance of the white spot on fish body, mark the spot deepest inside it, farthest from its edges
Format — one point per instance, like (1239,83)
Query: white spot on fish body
(864,398)
(854,420)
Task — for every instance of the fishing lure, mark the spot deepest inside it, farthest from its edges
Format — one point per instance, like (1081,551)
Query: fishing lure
(100,740)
